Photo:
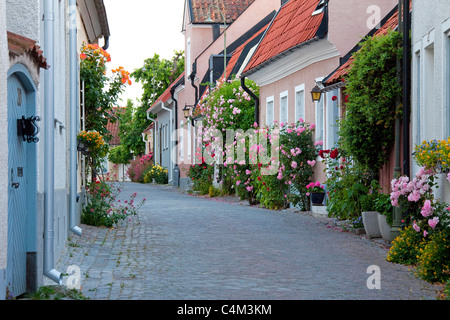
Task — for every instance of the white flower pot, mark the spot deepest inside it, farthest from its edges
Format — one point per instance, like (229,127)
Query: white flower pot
(370,221)
(385,228)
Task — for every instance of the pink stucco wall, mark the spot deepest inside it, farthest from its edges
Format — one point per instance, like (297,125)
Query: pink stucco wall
(201,49)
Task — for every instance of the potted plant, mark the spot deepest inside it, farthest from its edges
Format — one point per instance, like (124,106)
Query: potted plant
(370,215)
(317,193)
(384,207)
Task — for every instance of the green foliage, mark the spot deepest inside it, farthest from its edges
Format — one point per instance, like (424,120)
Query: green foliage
(101,92)
(297,160)
(434,258)
(157,75)
(270,191)
(373,90)
(232,103)
(214,192)
(406,247)
(101,208)
(120,155)
(348,185)
(201,176)
(160,174)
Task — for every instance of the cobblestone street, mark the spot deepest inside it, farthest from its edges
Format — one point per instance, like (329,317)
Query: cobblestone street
(188,247)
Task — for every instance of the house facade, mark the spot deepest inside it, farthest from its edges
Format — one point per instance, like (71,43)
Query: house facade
(430,99)
(304,44)
(204,63)
(38,42)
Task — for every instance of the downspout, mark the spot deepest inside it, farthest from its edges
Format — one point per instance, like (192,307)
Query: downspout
(171,149)
(49,147)
(154,133)
(397,211)
(172,93)
(106,45)
(406,87)
(254,97)
(73,117)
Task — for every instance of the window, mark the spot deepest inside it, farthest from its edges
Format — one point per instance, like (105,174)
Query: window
(284,111)
(332,118)
(188,57)
(189,137)
(447,76)
(429,93)
(269,111)
(319,118)
(417,104)
(300,102)
(181,142)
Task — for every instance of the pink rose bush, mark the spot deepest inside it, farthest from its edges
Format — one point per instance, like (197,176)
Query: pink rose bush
(416,198)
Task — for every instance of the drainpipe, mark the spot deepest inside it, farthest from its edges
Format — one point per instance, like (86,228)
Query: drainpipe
(73,117)
(406,87)
(254,96)
(154,133)
(397,211)
(171,130)
(172,93)
(49,147)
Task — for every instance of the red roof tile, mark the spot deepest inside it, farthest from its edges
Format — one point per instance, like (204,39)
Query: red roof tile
(114,127)
(166,94)
(232,9)
(19,45)
(293,25)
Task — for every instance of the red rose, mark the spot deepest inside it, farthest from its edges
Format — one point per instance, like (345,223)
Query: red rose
(334,154)
(334,98)
(259,178)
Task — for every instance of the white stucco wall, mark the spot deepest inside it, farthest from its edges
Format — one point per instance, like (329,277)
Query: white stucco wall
(20,11)
(4,65)
(430,107)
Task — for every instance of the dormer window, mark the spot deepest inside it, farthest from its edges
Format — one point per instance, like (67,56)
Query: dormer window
(320,7)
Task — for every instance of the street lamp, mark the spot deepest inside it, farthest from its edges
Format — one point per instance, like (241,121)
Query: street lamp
(209,20)
(316,93)
(187,111)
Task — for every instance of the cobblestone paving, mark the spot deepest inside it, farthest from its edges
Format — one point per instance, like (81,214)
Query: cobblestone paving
(185,247)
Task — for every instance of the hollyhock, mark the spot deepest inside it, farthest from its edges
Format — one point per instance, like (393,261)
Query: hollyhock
(416,227)
(433,222)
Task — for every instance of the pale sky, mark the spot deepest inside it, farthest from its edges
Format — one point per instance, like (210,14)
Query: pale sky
(139,29)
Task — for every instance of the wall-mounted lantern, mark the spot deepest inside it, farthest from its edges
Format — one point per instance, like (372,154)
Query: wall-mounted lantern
(316,93)
(28,129)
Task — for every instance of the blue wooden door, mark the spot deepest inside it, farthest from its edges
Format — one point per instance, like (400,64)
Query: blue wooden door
(17,213)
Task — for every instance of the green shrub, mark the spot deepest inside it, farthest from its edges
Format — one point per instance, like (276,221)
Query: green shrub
(158,173)
(406,247)
(434,259)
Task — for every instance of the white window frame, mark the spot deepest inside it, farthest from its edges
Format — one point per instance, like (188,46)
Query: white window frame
(446,75)
(284,118)
(181,142)
(268,101)
(188,56)
(320,115)
(332,113)
(189,137)
(300,113)
(429,85)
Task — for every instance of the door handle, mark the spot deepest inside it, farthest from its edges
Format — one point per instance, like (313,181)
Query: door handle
(15,185)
